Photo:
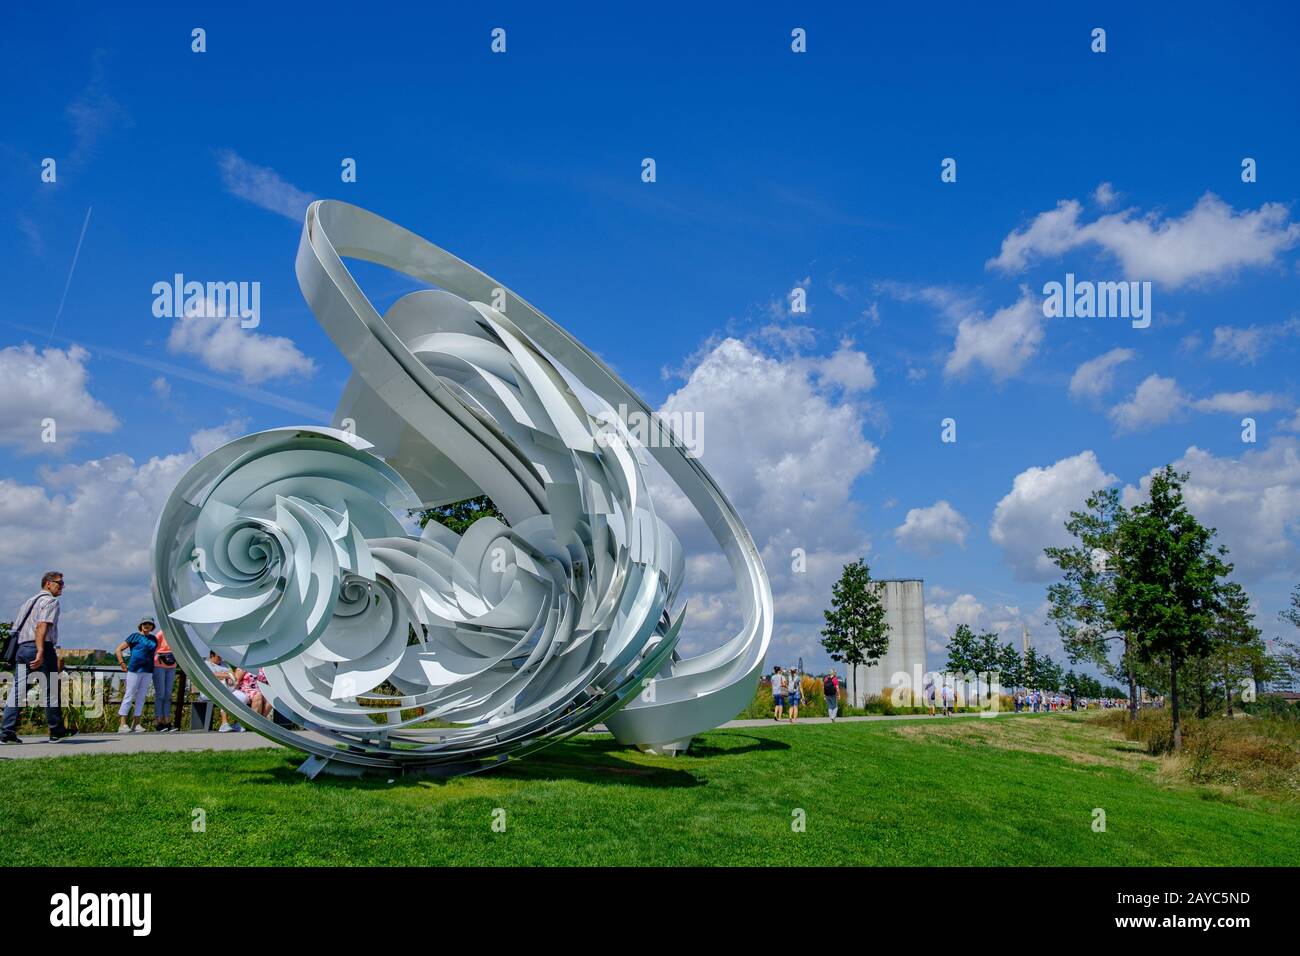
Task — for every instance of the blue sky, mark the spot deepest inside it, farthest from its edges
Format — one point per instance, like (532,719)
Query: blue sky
(774,170)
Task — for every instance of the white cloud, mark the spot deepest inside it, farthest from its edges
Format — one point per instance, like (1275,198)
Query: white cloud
(1238,403)
(1002,343)
(1032,515)
(946,610)
(847,368)
(1211,240)
(926,530)
(785,451)
(1242,345)
(1247,345)
(94,521)
(50,384)
(954,305)
(1159,400)
(1094,378)
(94,113)
(786,445)
(1105,195)
(1156,401)
(161,387)
(222,345)
(1253,501)
(262,186)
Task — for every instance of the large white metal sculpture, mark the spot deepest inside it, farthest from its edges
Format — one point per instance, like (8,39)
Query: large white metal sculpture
(284,550)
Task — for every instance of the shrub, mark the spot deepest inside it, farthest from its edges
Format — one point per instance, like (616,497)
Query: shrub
(1254,753)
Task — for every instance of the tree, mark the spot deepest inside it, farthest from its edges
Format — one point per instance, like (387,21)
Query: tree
(1050,674)
(1070,684)
(963,653)
(1284,661)
(459,515)
(856,632)
(1031,669)
(1167,587)
(987,655)
(1237,650)
(1011,666)
(1083,604)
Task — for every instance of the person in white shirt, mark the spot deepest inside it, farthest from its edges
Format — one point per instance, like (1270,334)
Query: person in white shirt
(778,692)
(37,639)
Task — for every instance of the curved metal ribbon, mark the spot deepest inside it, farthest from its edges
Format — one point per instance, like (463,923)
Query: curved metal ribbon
(282,551)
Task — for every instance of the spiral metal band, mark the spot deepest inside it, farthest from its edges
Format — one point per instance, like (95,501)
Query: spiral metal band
(283,550)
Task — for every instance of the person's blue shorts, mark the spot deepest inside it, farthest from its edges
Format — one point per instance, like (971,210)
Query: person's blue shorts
(794,700)
(778,700)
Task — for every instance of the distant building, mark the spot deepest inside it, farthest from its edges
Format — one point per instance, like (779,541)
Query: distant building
(904,601)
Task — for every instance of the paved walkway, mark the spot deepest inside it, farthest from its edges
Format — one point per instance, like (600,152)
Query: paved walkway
(101,743)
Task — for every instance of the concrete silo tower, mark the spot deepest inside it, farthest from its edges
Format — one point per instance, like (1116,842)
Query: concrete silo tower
(904,601)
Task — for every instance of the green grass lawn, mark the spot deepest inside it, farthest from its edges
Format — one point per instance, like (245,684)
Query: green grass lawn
(1016,791)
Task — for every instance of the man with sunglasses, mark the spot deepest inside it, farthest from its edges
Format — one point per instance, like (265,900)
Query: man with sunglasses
(38,638)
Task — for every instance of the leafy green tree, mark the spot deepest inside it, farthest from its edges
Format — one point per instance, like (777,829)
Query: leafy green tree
(1083,603)
(1031,670)
(1237,647)
(856,632)
(1089,686)
(963,653)
(1070,684)
(1284,661)
(987,657)
(1050,673)
(459,515)
(1010,666)
(1167,584)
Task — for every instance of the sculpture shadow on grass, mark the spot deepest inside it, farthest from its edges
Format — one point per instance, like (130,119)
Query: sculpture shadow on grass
(728,745)
(601,761)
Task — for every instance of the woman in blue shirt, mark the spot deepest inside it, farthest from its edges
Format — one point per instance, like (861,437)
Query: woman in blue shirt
(139,672)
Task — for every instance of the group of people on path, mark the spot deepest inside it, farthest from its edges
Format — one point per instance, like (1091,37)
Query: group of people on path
(945,694)
(144,655)
(1035,701)
(151,661)
(787,690)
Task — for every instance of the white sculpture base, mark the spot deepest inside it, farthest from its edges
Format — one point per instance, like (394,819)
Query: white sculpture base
(671,749)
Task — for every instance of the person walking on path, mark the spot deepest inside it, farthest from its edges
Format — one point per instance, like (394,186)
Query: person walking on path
(929,690)
(164,678)
(778,692)
(139,673)
(948,695)
(37,640)
(794,693)
(831,691)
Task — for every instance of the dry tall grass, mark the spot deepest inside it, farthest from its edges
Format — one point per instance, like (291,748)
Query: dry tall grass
(1259,754)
